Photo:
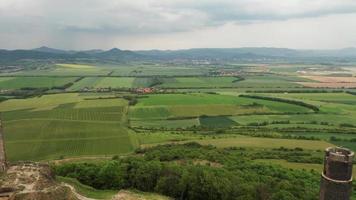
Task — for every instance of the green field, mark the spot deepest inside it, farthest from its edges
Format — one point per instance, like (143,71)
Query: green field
(270,81)
(216,122)
(199,82)
(113,82)
(261,143)
(181,106)
(33,82)
(54,126)
(193,103)
(154,69)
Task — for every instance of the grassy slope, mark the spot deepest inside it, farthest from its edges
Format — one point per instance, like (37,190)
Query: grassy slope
(87,191)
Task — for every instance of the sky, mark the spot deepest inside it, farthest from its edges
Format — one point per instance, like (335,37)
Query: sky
(177,24)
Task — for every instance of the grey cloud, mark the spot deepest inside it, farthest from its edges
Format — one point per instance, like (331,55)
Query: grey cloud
(161,16)
(65,21)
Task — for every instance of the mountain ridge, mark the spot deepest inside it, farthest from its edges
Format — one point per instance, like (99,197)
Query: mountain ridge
(116,54)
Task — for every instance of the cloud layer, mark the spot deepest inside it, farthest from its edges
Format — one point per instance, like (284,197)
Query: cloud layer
(98,23)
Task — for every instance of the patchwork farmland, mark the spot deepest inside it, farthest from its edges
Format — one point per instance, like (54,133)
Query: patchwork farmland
(92,112)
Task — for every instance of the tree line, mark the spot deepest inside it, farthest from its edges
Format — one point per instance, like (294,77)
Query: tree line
(299,103)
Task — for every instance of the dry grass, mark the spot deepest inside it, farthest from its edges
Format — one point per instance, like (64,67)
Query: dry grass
(328,85)
(330,82)
(329,79)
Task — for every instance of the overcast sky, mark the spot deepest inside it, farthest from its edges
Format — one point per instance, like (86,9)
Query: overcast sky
(177,24)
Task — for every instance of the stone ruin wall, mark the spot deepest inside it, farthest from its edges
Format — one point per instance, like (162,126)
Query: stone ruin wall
(3,162)
(336,179)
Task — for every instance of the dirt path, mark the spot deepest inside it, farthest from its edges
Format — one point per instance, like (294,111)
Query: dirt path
(79,196)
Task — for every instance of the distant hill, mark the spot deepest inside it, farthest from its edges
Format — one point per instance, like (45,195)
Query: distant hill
(51,50)
(216,54)
(117,54)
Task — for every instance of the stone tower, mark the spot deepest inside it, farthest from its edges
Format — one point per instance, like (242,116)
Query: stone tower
(336,179)
(3,163)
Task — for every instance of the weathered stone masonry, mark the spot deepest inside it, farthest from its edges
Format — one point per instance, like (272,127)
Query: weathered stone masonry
(3,162)
(336,179)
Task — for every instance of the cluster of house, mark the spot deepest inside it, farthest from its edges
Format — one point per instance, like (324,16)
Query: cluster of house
(225,73)
(147,90)
(229,73)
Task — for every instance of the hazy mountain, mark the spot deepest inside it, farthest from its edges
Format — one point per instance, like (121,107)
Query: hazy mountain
(93,51)
(188,54)
(45,49)
(221,53)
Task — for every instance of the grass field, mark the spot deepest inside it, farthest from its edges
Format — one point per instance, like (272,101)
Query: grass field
(178,106)
(253,142)
(87,191)
(271,81)
(90,192)
(293,165)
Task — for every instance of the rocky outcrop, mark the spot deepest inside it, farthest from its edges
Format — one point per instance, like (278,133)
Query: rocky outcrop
(32,181)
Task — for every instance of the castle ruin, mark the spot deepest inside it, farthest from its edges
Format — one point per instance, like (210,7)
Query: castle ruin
(3,162)
(336,179)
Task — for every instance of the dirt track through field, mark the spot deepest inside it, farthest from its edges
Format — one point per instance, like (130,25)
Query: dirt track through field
(79,196)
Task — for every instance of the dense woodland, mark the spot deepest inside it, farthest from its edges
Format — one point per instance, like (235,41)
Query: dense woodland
(192,171)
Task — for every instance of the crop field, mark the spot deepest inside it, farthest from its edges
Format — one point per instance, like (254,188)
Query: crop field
(199,82)
(53,126)
(214,122)
(65,70)
(114,82)
(210,110)
(170,124)
(329,85)
(197,104)
(190,104)
(33,82)
(50,139)
(330,79)
(271,81)
(138,70)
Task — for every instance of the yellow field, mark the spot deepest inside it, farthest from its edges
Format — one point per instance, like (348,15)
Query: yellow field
(330,79)
(76,66)
(329,82)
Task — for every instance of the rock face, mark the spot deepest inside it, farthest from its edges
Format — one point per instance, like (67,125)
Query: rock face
(32,181)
